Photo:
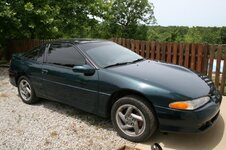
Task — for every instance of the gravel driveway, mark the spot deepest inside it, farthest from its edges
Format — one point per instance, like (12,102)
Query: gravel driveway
(50,125)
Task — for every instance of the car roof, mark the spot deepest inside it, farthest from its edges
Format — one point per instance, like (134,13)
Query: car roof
(78,40)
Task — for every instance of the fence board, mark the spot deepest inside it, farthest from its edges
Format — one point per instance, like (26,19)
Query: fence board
(193,56)
(175,53)
(142,49)
(212,52)
(187,53)
(147,49)
(157,51)
(124,42)
(223,76)
(169,45)
(153,50)
(137,46)
(205,59)
(132,45)
(217,75)
(127,43)
(181,54)
(163,52)
(200,53)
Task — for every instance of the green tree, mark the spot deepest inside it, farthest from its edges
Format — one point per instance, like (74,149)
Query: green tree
(223,35)
(193,35)
(125,16)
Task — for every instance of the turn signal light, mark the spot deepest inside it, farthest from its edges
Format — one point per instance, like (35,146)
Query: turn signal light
(179,105)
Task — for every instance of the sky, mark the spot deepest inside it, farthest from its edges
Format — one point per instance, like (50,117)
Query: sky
(190,12)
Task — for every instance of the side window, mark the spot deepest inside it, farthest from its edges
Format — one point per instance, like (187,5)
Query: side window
(65,55)
(36,53)
(40,55)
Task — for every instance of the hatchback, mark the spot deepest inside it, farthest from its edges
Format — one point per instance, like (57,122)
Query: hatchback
(106,79)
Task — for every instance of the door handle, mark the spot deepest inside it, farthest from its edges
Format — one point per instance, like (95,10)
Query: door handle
(44,71)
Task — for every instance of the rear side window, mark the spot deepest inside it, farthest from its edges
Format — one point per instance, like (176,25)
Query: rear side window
(64,54)
(36,53)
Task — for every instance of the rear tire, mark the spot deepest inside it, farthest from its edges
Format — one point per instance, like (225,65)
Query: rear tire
(133,118)
(26,91)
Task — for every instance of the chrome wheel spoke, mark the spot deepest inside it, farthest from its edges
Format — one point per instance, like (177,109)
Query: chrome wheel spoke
(22,92)
(126,127)
(129,111)
(122,117)
(28,90)
(139,118)
(136,127)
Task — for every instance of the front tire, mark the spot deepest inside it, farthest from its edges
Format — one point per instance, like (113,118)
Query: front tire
(133,118)
(26,91)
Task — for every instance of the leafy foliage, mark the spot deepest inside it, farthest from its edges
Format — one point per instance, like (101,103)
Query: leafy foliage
(95,19)
(212,35)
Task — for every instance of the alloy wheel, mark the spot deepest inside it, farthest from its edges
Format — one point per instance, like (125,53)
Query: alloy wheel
(130,120)
(25,90)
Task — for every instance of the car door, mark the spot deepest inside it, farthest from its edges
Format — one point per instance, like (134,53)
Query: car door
(62,84)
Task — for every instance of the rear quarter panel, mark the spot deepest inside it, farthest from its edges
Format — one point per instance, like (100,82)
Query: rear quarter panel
(33,70)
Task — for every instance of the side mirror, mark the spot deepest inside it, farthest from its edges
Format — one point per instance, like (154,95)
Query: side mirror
(86,69)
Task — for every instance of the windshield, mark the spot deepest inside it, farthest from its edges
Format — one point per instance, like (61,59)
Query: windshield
(106,54)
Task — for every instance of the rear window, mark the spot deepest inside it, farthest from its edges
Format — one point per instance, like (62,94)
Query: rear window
(36,53)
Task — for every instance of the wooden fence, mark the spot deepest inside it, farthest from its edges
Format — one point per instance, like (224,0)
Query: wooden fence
(198,57)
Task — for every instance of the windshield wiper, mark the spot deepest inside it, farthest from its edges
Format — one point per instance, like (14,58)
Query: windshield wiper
(137,60)
(117,64)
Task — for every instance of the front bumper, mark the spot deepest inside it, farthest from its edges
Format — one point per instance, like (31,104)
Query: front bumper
(198,120)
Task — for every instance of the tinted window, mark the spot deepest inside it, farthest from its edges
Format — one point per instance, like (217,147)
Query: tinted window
(108,53)
(36,53)
(65,55)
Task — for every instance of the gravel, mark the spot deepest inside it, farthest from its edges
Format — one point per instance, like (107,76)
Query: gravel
(50,125)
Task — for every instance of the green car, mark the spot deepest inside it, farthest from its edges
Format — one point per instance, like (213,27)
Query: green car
(106,79)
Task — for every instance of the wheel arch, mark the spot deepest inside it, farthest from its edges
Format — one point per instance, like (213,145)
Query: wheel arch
(20,74)
(128,92)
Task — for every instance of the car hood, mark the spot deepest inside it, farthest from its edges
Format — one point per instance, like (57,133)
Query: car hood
(174,78)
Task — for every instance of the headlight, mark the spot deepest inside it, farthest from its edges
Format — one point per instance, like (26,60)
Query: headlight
(190,105)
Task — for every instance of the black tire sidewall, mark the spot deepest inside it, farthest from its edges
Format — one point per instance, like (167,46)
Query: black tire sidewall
(145,108)
(33,98)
